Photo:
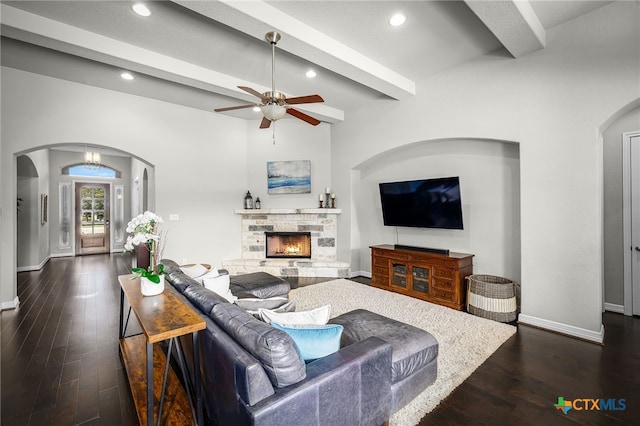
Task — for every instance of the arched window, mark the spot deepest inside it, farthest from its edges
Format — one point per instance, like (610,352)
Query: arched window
(82,170)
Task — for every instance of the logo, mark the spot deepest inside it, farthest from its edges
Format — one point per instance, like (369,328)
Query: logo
(590,404)
(563,405)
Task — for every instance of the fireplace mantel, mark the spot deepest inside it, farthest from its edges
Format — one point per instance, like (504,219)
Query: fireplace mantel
(322,225)
(287,211)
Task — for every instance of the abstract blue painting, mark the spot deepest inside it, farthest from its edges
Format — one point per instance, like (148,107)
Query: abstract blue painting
(289,177)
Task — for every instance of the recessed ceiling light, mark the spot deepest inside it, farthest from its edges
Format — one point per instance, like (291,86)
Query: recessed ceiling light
(256,108)
(126,76)
(311,74)
(397,20)
(141,9)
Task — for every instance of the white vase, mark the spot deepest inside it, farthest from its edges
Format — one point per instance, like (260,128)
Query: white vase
(149,288)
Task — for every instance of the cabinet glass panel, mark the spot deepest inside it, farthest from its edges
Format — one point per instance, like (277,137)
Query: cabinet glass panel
(420,279)
(399,277)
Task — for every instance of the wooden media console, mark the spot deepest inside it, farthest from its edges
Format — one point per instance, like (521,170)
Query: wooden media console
(434,277)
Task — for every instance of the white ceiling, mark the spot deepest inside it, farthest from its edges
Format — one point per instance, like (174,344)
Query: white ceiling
(195,53)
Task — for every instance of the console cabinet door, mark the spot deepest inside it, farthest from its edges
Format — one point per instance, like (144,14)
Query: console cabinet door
(421,279)
(433,277)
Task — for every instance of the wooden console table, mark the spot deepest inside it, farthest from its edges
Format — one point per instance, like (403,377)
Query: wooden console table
(161,317)
(437,278)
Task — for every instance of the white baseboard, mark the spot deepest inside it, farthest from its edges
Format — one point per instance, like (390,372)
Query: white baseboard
(62,255)
(360,274)
(612,307)
(33,267)
(12,304)
(558,327)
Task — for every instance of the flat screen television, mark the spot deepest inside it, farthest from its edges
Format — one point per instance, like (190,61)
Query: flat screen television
(425,203)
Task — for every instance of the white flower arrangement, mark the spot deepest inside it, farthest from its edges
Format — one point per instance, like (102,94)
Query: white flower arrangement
(143,230)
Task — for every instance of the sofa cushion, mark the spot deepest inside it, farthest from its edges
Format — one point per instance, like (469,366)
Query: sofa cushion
(413,348)
(203,298)
(314,341)
(274,348)
(318,316)
(259,284)
(254,304)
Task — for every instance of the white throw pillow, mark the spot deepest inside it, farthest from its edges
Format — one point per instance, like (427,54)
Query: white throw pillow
(318,316)
(219,285)
(213,273)
(193,271)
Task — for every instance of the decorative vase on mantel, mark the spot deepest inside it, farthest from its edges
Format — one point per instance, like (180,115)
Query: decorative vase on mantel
(149,288)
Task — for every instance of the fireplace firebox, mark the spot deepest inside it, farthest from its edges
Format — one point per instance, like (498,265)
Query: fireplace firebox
(288,244)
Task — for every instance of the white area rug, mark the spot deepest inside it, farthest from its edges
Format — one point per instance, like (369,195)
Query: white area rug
(465,341)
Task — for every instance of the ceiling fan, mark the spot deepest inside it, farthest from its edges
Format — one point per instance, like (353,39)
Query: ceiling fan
(274,105)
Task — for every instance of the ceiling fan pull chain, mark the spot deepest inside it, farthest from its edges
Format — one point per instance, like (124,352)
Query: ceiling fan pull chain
(274,133)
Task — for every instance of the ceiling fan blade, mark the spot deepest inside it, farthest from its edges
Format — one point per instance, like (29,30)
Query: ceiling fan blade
(254,92)
(302,116)
(234,107)
(265,123)
(309,99)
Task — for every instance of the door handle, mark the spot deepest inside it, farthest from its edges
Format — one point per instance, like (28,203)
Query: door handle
(637,248)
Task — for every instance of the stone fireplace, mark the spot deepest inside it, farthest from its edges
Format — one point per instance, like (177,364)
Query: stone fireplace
(287,245)
(319,224)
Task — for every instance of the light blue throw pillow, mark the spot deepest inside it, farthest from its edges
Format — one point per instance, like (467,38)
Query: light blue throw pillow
(314,341)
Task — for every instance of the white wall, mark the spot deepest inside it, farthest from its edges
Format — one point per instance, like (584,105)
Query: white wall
(552,102)
(200,158)
(295,140)
(489,174)
(613,225)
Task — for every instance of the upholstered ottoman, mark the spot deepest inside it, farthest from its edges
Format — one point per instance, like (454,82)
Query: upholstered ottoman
(414,359)
(260,285)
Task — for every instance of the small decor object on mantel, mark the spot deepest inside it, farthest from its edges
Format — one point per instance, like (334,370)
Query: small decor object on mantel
(248,201)
(327,199)
(258,204)
(143,230)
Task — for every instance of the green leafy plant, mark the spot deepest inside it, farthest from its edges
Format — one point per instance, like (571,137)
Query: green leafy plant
(143,232)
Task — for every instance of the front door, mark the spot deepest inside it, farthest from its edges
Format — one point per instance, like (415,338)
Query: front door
(92,218)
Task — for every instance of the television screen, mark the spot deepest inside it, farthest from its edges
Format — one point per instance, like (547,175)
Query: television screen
(426,203)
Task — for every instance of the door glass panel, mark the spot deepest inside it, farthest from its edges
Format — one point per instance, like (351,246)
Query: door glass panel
(119,214)
(64,214)
(92,201)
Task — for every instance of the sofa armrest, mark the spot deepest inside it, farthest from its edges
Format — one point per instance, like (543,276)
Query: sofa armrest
(349,387)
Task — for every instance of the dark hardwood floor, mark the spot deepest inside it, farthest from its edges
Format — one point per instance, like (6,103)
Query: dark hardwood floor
(60,362)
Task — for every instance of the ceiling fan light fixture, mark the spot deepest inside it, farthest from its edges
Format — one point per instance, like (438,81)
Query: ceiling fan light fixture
(273,112)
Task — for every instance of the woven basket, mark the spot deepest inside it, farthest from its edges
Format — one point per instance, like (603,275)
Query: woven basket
(492,297)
